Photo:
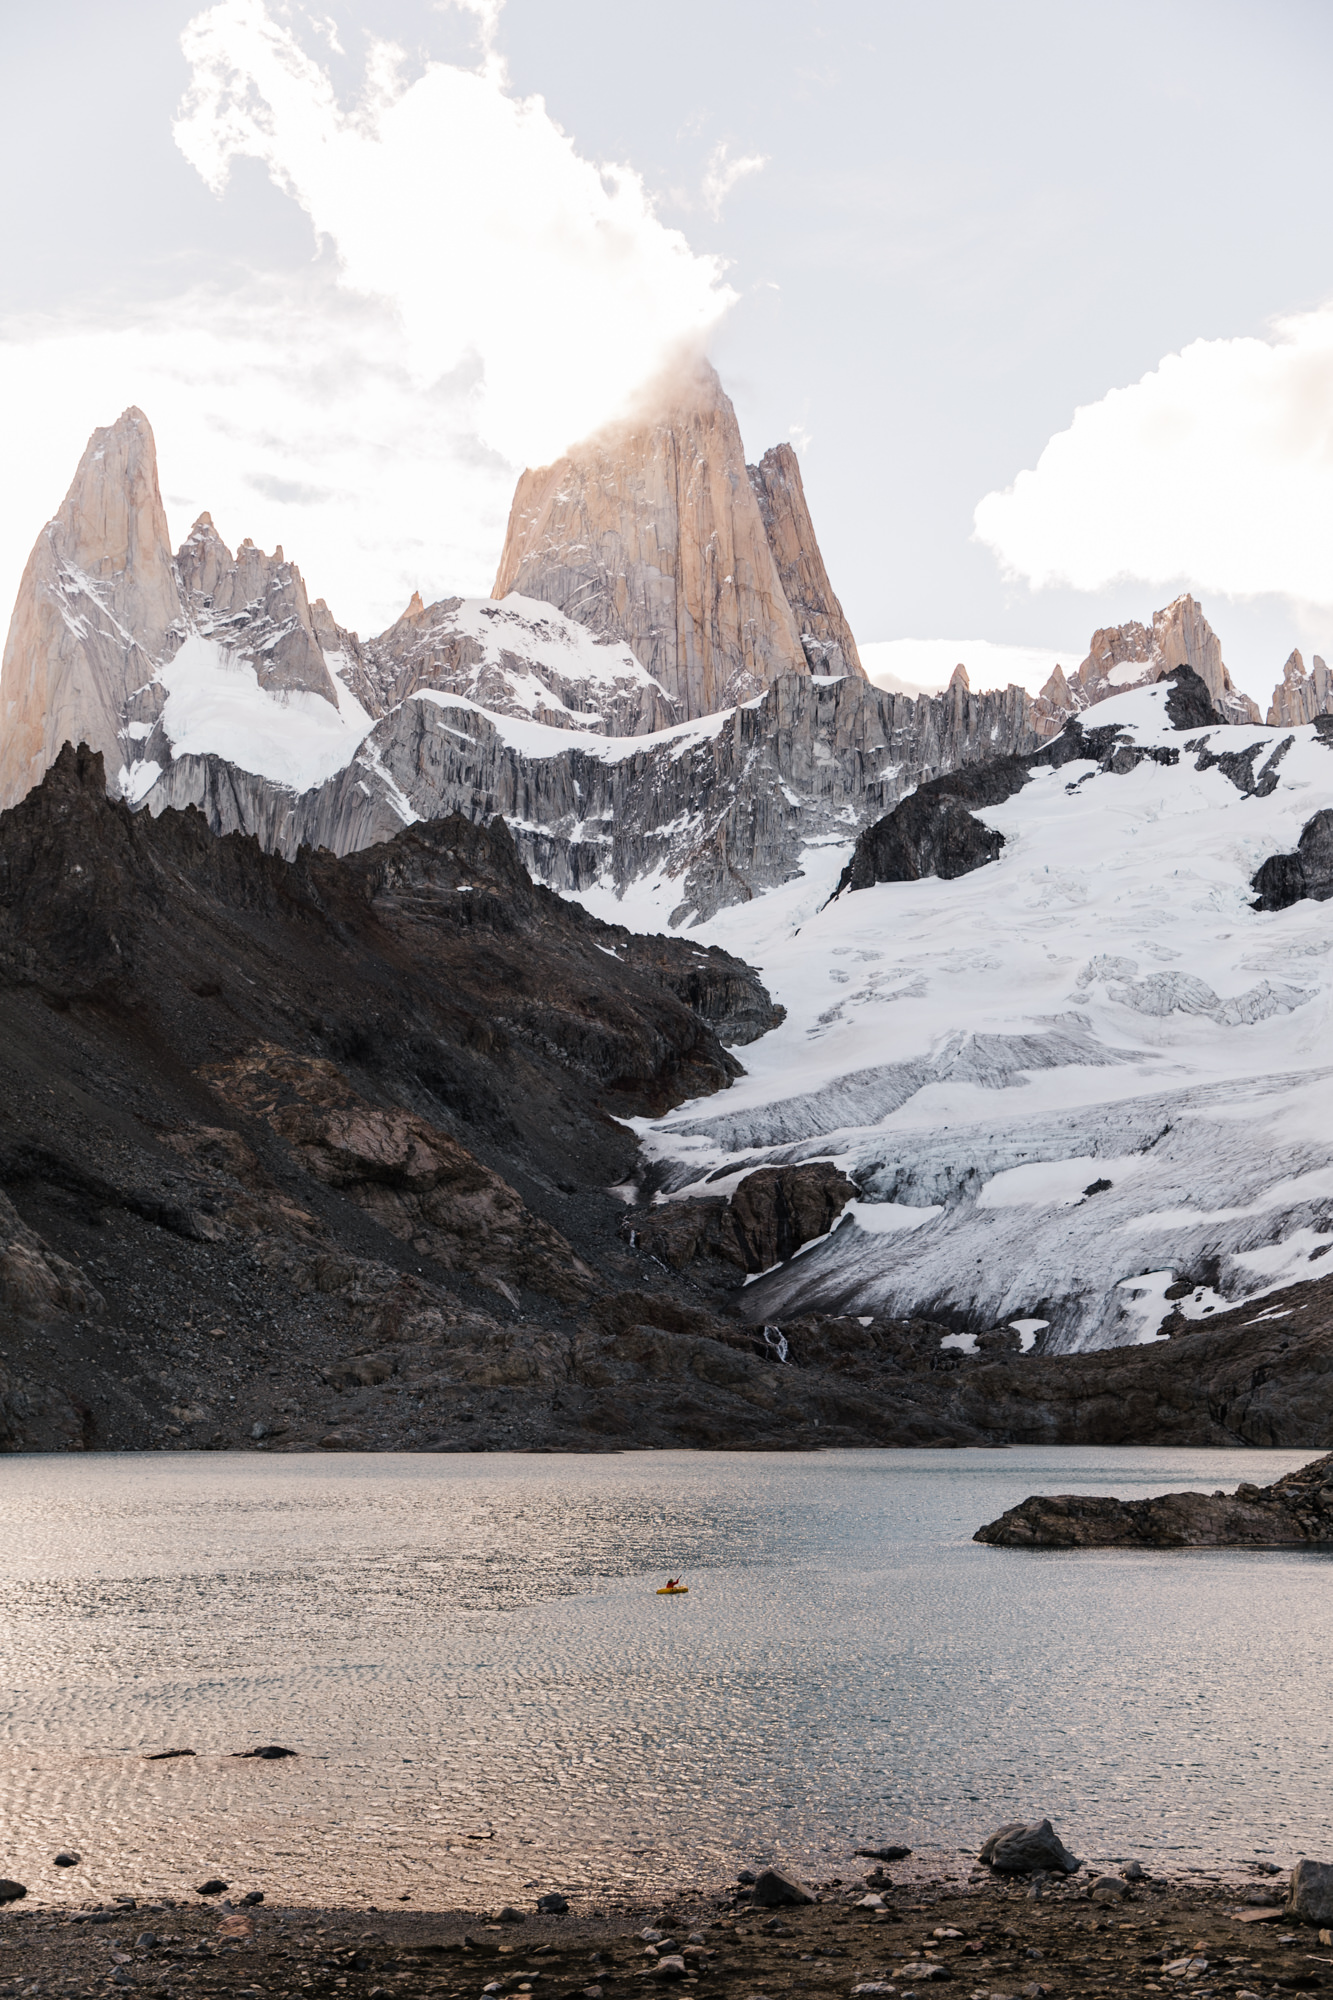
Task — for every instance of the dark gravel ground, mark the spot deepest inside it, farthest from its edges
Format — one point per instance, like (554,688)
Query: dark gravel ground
(987,1938)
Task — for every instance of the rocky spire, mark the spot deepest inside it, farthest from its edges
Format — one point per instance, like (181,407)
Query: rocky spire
(103,607)
(1134,655)
(97,610)
(1300,697)
(826,637)
(255,605)
(652,534)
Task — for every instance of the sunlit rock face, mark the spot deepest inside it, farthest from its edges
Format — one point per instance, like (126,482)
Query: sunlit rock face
(826,637)
(99,606)
(1300,696)
(1134,655)
(655,533)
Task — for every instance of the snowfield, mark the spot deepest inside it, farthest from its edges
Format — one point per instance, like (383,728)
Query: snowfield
(1083,1073)
(215,703)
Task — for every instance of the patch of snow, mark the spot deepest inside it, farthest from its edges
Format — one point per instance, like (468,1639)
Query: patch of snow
(542,739)
(888,1218)
(1052,1183)
(1027,1331)
(135,781)
(216,705)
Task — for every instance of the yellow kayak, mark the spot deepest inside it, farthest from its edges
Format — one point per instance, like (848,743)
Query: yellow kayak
(674,1590)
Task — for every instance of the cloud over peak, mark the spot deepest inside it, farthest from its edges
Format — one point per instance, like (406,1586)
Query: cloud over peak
(469,213)
(1216,467)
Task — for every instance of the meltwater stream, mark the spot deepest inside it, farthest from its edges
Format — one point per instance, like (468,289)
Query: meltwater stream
(488,1698)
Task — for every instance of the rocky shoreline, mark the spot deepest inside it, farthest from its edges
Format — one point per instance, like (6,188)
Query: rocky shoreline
(992,1937)
(1294,1512)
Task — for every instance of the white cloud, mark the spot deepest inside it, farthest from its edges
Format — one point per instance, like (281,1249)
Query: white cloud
(288,410)
(1216,470)
(722,174)
(467,211)
(490,297)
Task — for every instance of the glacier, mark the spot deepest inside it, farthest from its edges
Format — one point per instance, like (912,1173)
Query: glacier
(1092,1067)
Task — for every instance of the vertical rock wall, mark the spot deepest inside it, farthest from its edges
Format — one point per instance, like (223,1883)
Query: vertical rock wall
(652,534)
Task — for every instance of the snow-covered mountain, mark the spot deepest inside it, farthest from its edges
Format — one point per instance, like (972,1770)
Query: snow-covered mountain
(207,678)
(1075,1083)
(1066,1084)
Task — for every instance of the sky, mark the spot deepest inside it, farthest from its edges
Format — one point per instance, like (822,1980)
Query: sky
(1042,295)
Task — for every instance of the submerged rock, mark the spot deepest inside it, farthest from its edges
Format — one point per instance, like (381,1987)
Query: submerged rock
(1294,1511)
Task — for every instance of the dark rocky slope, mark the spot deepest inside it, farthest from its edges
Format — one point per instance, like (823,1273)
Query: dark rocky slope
(1294,1512)
(320,1150)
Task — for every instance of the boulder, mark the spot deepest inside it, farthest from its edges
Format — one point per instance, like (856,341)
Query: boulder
(553,1904)
(773,1889)
(10,1892)
(214,1886)
(1311,1896)
(1018,1849)
(1109,1889)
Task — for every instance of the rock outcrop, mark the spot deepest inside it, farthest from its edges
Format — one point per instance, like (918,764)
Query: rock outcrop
(256,606)
(1295,1511)
(770,1215)
(651,534)
(1285,879)
(1019,1848)
(1300,696)
(930,833)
